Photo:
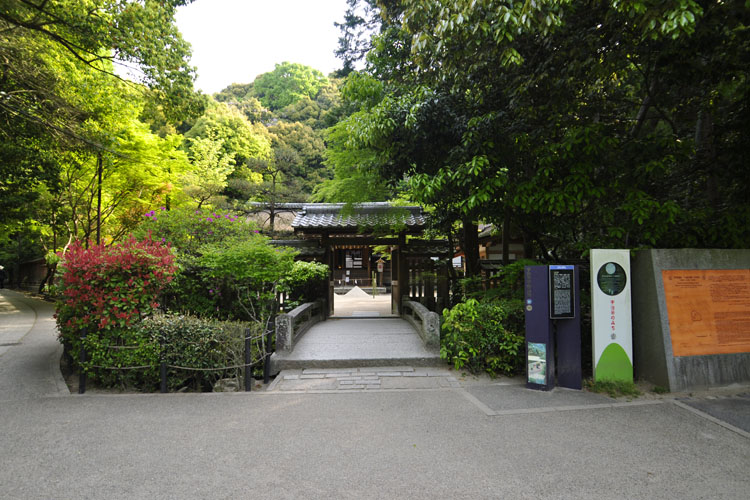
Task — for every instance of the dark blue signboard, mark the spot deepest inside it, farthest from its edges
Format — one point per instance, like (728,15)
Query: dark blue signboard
(568,337)
(553,327)
(540,348)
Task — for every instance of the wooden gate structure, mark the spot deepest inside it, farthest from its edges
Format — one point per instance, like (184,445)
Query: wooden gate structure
(332,232)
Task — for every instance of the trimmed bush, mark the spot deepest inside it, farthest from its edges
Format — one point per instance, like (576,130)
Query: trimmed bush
(475,337)
(207,350)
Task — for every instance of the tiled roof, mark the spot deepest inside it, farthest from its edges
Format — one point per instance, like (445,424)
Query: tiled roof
(366,215)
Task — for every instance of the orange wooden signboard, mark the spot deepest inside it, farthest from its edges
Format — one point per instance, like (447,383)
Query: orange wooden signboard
(708,310)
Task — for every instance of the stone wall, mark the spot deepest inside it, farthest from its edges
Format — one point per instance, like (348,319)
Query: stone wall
(654,359)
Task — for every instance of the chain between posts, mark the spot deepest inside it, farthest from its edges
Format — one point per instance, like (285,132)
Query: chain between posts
(163,365)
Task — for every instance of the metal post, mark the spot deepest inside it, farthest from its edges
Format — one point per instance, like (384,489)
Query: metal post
(248,358)
(267,357)
(267,354)
(82,360)
(162,367)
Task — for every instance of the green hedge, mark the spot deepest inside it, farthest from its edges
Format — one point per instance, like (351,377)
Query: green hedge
(200,344)
(207,350)
(480,336)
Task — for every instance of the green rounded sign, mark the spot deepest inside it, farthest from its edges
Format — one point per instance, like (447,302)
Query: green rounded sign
(611,278)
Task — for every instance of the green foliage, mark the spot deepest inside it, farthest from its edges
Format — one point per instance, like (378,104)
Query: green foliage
(308,145)
(205,345)
(287,84)
(614,388)
(508,283)
(238,137)
(95,33)
(192,233)
(307,281)
(198,352)
(475,337)
(188,230)
(590,135)
(246,274)
(210,168)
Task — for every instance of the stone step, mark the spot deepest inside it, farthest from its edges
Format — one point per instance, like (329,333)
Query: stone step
(280,362)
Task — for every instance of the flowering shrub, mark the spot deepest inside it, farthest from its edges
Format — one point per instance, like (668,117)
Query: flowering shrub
(107,290)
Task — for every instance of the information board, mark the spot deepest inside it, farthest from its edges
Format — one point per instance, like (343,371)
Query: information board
(708,310)
(561,292)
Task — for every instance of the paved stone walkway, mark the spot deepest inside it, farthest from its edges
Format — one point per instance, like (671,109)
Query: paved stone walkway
(384,378)
(358,303)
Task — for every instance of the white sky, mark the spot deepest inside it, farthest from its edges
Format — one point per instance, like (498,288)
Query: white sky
(236,40)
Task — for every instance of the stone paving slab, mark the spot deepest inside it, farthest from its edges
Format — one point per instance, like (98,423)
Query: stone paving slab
(365,378)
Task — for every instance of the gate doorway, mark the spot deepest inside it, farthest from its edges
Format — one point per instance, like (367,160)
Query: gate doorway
(359,241)
(362,281)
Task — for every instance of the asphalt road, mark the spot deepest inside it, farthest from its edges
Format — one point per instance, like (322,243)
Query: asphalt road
(483,440)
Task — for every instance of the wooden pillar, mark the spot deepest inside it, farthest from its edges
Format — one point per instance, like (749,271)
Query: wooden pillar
(419,280)
(330,259)
(395,287)
(366,257)
(403,277)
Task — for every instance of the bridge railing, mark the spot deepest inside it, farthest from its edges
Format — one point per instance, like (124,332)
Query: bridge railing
(426,322)
(292,325)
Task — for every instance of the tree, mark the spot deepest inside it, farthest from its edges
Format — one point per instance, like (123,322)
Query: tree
(98,33)
(211,166)
(70,128)
(286,84)
(279,185)
(308,146)
(241,140)
(584,135)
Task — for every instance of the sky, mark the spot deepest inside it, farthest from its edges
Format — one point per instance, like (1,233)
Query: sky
(236,40)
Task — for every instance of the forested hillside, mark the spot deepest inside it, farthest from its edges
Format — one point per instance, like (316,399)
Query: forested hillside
(86,151)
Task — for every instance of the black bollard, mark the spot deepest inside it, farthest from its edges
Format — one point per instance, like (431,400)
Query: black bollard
(267,361)
(267,354)
(248,358)
(162,368)
(82,360)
